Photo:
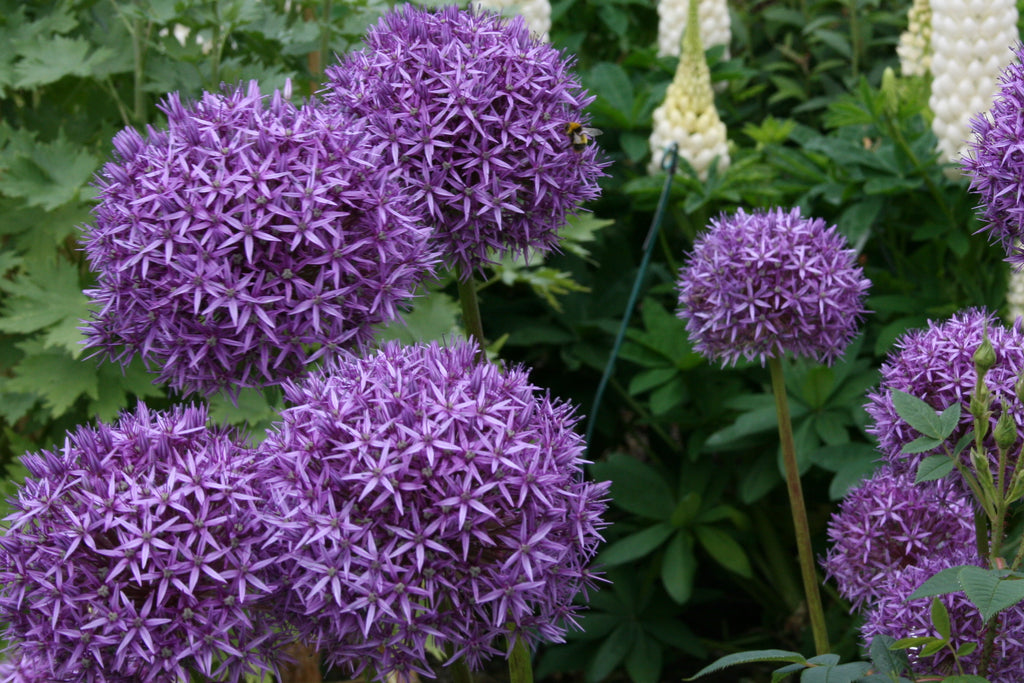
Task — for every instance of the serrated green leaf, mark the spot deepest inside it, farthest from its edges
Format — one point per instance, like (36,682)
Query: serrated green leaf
(885,660)
(920,415)
(934,467)
(50,59)
(990,590)
(920,445)
(115,385)
(47,296)
(679,567)
(635,545)
(749,657)
(55,377)
(945,581)
(52,175)
(940,618)
(724,549)
(434,317)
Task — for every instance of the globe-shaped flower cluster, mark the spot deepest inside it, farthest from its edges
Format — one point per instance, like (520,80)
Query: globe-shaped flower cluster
(995,161)
(896,616)
(422,493)
(134,553)
(937,366)
(760,284)
(247,239)
(887,523)
(477,113)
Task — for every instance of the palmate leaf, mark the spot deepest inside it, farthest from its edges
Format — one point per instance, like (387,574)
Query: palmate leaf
(53,376)
(49,175)
(50,58)
(49,298)
(991,591)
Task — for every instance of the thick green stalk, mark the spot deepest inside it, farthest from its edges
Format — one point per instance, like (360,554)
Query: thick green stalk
(799,510)
(520,668)
(471,311)
(325,36)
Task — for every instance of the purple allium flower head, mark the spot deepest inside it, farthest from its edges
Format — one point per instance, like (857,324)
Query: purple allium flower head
(18,669)
(760,284)
(476,112)
(248,232)
(897,617)
(135,553)
(995,161)
(887,523)
(937,366)
(423,493)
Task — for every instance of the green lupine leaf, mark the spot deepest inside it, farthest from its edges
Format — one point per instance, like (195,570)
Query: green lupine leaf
(749,657)
(679,567)
(635,545)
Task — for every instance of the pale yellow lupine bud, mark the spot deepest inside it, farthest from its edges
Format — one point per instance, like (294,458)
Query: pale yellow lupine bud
(536,13)
(971,42)
(915,48)
(715,28)
(688,115)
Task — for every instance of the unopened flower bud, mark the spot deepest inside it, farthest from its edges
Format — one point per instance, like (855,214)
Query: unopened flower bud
(980,399)
(984,358)
(1018,388)
(1005,432)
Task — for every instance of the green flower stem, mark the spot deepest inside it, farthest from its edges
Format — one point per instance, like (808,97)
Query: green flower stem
(799,510)
(325,37)
(520,668)
(471,311)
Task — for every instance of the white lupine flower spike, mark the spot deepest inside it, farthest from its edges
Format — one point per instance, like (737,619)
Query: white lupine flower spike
(971,42)
(713,17)
(688,115)
(915,48)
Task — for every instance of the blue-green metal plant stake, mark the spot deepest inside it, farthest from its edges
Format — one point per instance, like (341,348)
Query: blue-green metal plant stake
(668,164)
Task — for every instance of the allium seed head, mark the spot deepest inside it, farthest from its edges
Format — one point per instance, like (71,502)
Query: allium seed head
(758,285)
(937,366)
(475,111)
(246,240)
(887,523)
(134,553)
(423,493)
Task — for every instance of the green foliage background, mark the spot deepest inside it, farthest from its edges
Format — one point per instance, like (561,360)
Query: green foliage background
(700,556)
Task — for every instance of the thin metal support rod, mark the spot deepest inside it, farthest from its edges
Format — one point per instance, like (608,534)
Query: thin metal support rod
(668,164)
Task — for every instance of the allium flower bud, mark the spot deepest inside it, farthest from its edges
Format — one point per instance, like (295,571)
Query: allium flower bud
(895,616)
(995,161)
(1005,432)
(761,284)
(937,366)
(688,115)
(713,20)
(485,122)
(421,493)
(984,356)
(914,48)
(887,523)
(245,241)
(536,13)
(970,44)
(135,553)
